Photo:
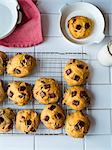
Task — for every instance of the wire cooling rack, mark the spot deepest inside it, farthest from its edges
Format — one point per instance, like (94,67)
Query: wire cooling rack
(49,64)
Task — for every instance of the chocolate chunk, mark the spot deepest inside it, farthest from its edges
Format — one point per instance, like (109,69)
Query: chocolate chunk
(73,60)
(46,118)
(77,78)
(43,82)
(27,56)
(87,25)
(80,66)
(74,93)
(52,95)
(68,25)
(68,71)
(1,120)
(32,129)
(74,19)
(22,95)
(29,122)
(22,62)
(47,86)
(83,94)
(10,94)
(79,125)
(22,88)
(42,94)
(52,107)
(10,126)
(17,71)
(76,103)
(78,27)
(87,67)
(58,115)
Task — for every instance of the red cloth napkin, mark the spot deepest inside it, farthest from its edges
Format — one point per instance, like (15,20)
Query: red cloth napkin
(29,32)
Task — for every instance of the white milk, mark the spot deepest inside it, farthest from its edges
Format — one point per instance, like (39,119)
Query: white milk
(5,20)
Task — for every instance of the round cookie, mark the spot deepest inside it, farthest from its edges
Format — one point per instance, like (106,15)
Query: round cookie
(19,92)
(80,27)
(7,117)
(3,62)
(77,124)
(53,116)
(46,91)
(20,65)
(76,72)
(2,92)
(27,121)
(76,98)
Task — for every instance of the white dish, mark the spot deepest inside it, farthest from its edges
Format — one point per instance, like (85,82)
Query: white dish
(9,17)
(82,9)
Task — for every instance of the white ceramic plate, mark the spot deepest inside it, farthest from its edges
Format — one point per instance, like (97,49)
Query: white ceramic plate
(82,9)
(8,17)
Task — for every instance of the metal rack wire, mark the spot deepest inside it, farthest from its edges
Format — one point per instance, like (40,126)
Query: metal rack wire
(49,64)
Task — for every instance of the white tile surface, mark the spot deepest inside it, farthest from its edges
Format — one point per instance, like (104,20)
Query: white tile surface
(103,142)
(103,5)
(57,44)
(16,142)
(101,97)
(57,143)
(98,74)
(100,121)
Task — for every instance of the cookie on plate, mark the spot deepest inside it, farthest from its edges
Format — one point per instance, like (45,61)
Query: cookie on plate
(77,124)
(19,92)
(76,97)
(76,72)
(7,117)
(27,121)
(46,91)
(3,62)
(80,27)
(53,116)
(2,92)
(21,65)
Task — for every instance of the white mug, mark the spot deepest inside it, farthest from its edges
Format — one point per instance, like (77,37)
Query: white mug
(10,15)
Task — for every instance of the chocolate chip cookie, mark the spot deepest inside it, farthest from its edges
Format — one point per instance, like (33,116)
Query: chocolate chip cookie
(80,27)
(76,72)
(19,92)
(76,97)
(46,91)
(3,62)
(7,117)
(21,65)
(27,121)
(77,124)
(2,92)
(53,116)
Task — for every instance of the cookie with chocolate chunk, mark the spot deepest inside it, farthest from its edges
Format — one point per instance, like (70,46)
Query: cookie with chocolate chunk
(19,92)
(77,124)
(3,62)
(76,72)
(2,92)
(27,121)
(21,65)
(7,117)
(76,97)
(46,91)
(53,116)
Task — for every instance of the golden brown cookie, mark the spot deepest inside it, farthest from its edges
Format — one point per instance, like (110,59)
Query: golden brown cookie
(46,91)
(2,92)
(19,92)
(76,72)
(53,116)
(80,27)
(3,62)
(77,124)
(27,121)
(76,97)
(7,117)
(21,65)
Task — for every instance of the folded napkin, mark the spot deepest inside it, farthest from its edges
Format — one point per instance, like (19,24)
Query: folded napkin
(28,32)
